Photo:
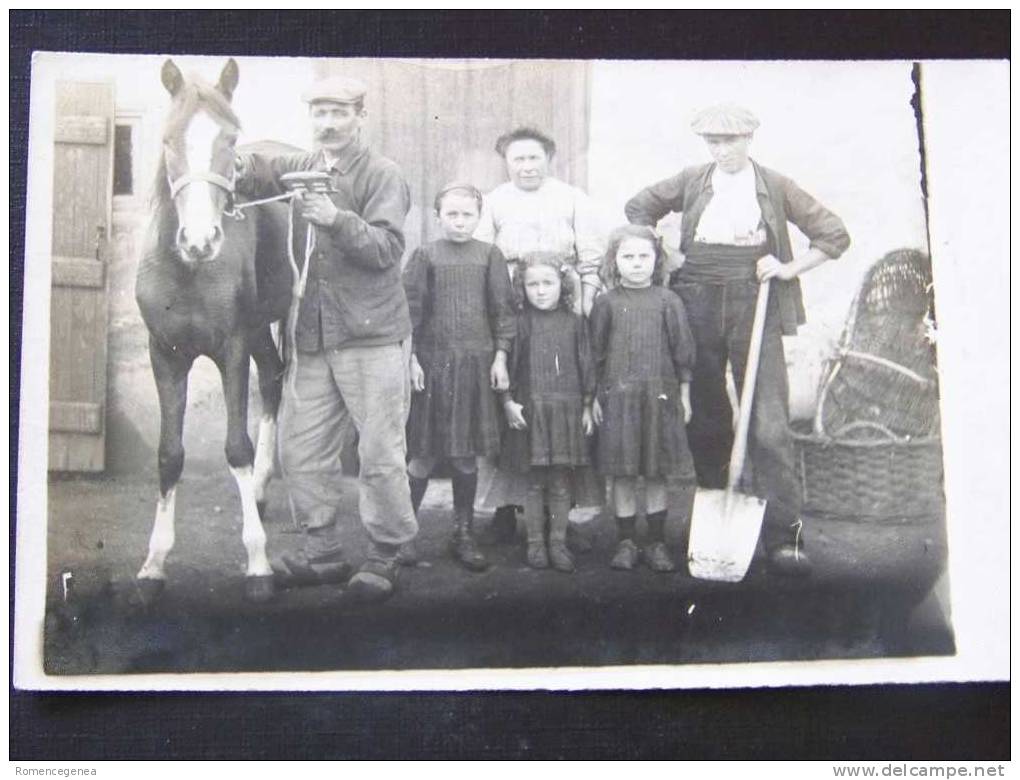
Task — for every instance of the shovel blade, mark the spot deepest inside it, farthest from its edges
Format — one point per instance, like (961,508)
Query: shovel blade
(724,535)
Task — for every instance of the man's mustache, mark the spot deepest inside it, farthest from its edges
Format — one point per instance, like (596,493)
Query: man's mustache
(327,135)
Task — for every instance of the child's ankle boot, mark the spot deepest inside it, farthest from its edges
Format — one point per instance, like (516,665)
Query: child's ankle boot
(627,552)
(657,555)
(534,523)
(463,545)
(559,555)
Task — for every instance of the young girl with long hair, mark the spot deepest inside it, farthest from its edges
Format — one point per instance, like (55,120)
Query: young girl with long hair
(548,405)
(644,353)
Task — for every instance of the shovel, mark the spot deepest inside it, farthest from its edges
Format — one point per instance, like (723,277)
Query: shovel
(725,523)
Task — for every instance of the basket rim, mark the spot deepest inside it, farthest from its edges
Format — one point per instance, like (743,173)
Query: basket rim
(830,441)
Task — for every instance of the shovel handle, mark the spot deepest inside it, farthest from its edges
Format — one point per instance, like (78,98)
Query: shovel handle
(739,451)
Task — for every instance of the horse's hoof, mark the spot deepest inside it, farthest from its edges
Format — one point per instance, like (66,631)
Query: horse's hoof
(262,506)
(148,590)
(259,588)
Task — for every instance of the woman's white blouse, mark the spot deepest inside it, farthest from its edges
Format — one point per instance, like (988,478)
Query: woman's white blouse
(554,218)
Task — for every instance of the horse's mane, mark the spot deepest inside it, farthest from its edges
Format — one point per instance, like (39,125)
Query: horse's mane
(194,95)
(160,194)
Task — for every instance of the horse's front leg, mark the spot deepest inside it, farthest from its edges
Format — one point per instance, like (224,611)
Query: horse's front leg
(170,370)
(234,367)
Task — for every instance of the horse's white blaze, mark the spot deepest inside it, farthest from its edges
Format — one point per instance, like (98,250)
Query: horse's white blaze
(162,539)
(199,216)
(252,533)
(264,452)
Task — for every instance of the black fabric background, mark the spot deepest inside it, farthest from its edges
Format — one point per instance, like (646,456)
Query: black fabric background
(880,722)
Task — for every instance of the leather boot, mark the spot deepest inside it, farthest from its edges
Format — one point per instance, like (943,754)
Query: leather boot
(784,543)
(536,554)
(628,554)
(559,555)
(376,580)
(656,555)
(789,561)
(320,562)
(463,545)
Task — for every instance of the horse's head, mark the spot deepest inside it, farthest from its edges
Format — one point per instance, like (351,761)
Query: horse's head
(198,151)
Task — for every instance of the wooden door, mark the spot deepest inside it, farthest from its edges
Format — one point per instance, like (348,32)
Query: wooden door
(82,187)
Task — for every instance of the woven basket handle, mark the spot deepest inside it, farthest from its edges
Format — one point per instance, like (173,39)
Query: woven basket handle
(819,422)
(902,370)
(865,425)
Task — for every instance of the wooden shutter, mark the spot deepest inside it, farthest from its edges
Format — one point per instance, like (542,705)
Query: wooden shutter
(82,162)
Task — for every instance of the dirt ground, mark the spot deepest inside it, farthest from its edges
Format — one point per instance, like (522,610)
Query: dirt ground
(870,595)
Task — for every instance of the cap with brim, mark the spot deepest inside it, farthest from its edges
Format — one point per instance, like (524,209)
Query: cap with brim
(724,119)
(338,89)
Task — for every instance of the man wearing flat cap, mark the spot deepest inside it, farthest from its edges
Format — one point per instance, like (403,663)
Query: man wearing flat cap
(733,236)
(352,341)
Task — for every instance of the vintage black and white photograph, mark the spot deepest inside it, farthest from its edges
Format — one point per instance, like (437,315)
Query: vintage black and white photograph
(617,370)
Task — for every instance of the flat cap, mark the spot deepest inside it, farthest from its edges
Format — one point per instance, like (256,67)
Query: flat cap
(337,89)
(724,119)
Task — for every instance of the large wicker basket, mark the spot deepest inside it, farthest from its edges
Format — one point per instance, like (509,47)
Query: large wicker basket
(868,472)
(873,449)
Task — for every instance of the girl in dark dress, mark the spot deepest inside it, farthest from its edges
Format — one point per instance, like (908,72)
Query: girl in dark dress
(644,353)
(462,312)
(548,406)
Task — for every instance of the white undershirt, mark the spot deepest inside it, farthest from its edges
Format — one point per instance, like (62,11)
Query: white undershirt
(733,215)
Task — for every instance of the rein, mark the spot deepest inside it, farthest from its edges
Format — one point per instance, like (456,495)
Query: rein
(235,211)
(300,274)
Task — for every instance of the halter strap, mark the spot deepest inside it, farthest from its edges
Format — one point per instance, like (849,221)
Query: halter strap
(190,178)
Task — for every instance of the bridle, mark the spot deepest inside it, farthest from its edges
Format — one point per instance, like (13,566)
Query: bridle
(233,208)
(217,180)
(225,184)
(234,211)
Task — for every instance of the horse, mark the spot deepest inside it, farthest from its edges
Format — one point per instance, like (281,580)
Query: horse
(211,281)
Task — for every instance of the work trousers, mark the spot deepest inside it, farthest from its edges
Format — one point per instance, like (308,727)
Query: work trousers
(721,316)
(370,388)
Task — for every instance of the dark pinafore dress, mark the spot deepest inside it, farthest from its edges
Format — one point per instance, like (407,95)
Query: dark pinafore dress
(552,375)
(462,311)
(643,349)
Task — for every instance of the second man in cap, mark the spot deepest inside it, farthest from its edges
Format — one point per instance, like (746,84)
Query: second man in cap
(733,236)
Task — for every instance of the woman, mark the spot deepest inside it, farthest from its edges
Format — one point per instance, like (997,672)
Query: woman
(535,212)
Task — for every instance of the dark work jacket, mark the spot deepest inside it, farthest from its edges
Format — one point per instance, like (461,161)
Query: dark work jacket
(354,296)
(781,201)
